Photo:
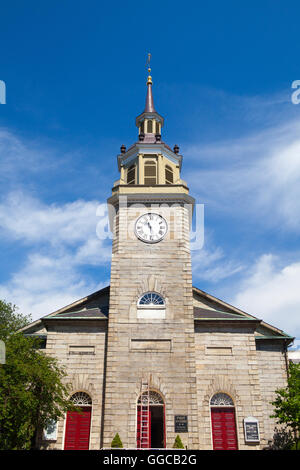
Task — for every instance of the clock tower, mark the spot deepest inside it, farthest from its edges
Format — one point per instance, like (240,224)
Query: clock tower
(150,381)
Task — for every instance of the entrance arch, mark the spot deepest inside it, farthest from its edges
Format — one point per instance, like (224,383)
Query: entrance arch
(78,424)
(223,422)
(151,421)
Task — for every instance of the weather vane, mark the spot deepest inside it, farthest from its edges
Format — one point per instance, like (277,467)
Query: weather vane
(148,62)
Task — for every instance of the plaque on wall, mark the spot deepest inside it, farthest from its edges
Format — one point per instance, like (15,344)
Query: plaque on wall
(251,429)
(50,431)
(181,423)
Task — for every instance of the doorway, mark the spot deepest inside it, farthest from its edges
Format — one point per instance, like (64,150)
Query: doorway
(151,422)
(77,434)
(223,422)
(78,423)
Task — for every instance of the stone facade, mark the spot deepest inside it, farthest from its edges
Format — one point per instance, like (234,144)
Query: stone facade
(85,369)
(211,356)
(136,268)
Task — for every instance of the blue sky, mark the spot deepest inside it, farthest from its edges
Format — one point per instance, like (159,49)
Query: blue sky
(75,81)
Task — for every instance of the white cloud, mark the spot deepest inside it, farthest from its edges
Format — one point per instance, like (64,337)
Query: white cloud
(210,264)
(45,284)
(60,241)
(271,292)
(256,176)
(26,218)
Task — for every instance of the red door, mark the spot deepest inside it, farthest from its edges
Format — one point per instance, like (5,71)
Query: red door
(77,434)
(223,429)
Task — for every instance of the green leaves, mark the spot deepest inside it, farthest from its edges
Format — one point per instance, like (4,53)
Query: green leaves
(178,443)
(32,391)
(287,402)
(116,443)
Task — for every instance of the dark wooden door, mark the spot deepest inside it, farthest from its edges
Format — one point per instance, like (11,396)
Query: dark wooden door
(223,429)
(77,434)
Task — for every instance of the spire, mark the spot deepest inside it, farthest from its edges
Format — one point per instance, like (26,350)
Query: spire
(149,122)
(149,108)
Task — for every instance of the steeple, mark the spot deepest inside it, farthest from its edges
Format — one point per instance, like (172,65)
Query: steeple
(149,107)
(150,165)
(149,122)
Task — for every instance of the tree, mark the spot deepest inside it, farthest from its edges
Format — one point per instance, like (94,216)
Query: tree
(32,392)
(116,443)
(178,443)
(287,403)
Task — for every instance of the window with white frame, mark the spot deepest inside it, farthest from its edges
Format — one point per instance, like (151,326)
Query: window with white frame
(151,305)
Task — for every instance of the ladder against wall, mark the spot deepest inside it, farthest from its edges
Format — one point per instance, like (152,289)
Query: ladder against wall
(150,418)
(144,417)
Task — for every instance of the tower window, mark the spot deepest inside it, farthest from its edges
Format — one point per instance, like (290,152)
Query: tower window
(157,127)
(142,127)
(150,173)
(131,175)
(151,305)
(169,175)
(151,299)
(149,127)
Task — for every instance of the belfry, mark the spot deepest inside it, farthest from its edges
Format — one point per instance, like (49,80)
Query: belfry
(151,357)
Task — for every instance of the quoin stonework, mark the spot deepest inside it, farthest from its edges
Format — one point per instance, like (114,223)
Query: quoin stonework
(151,356)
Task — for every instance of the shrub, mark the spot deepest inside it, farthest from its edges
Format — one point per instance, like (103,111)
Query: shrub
(116,443)
(178,443)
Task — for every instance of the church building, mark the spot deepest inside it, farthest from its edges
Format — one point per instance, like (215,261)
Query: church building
(151,356)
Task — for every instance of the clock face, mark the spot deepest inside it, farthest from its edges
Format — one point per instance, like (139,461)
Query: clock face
(151,228)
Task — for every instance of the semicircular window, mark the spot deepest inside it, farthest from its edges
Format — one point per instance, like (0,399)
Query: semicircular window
(221,399)
(81,398)
(153,398)
(151,299)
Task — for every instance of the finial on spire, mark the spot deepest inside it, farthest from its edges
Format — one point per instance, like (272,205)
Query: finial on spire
(149,79)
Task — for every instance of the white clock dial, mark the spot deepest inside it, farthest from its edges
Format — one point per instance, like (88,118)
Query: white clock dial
(151,228)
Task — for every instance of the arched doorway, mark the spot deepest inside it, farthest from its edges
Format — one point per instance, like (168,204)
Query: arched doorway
(223,423)
(77,432)
(150,421)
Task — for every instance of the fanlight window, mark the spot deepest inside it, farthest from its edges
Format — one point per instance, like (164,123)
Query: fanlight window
(151,299)
(221,399)
(81,399)
(154,398)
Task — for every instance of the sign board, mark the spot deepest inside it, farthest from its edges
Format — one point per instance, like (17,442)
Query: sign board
(2,352)
(251,429)
(50,432)
(181,423)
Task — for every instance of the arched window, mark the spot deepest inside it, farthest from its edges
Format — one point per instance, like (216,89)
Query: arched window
(154,398)
(151,305)
(221,399)
(169,175)
(149,126)
(131,175)
(151,299)
(81,399)
(142,127)
(150,172)
(157,127)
